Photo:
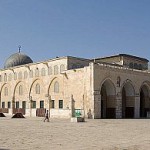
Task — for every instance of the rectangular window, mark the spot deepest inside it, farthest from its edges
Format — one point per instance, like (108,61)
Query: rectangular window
(17,104)
(24,104)
(3,104)
(60,103)
(9,104)
(53,104)
(33,104)
(41,104)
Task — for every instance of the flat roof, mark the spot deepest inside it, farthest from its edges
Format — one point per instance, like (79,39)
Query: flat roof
(124,55)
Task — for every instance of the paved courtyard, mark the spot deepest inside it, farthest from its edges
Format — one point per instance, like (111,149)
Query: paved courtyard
(61,134)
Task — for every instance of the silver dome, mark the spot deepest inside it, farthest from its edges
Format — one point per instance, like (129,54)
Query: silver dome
(17,59)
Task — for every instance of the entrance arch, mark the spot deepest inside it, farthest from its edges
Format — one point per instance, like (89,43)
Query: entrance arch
(144,101)
(128,100)
(108,102)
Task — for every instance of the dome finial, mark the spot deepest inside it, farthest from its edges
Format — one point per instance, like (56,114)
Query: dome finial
(19,48)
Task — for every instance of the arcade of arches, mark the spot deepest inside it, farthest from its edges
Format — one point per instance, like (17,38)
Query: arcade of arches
(128,104)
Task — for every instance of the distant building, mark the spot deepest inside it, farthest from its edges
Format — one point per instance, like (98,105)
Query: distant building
(110,87)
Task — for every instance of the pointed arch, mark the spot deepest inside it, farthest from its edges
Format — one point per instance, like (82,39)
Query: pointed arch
(144,98)
(108,99)
(50,84)
(5,93)
(128,99)
(16,88)
(111,88)
(1,90)
(33,85)
(129,86)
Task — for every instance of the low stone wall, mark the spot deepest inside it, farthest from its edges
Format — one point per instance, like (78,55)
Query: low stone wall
(60,113)
(32,111)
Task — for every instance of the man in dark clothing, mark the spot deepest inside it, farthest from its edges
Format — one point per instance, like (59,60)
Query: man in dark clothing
(46,116)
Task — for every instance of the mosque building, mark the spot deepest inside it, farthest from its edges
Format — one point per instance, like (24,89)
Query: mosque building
(111,87)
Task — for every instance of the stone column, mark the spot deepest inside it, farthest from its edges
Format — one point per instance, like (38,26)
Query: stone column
(118,106)
(30,105)
(49,104)
(72,106)
(97,105)
(13,104)
(137,106)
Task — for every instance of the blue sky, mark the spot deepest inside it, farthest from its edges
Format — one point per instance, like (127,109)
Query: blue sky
(83,28)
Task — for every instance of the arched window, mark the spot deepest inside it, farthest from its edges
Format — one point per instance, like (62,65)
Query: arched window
(25,75)
(5,77)
(15,76)
(31,73)
(55,70)
(43,72)
(37,72)
(20,90)
(62,68)
(20,75)
(56,87)
(50,71)
(37,89)
(10,77)
(5,91)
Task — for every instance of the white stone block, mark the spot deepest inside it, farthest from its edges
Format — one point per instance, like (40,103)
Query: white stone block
(77,119)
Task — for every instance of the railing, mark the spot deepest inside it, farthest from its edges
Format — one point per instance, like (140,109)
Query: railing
(3,110)
(19,110)
(105,64)
(40,112)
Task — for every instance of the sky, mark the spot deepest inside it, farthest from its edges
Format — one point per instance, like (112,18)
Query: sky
(81,28)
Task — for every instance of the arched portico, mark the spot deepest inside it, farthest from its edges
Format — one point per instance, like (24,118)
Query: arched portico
(55,93)
(19,100)
(128,100)
(108,102)
(144,100)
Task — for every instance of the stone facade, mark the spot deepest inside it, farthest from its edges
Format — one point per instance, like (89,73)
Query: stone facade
(96,88)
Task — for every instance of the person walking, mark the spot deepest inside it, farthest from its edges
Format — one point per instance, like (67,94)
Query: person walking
(46,116)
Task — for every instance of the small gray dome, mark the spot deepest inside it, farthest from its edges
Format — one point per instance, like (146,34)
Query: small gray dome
(17,59)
